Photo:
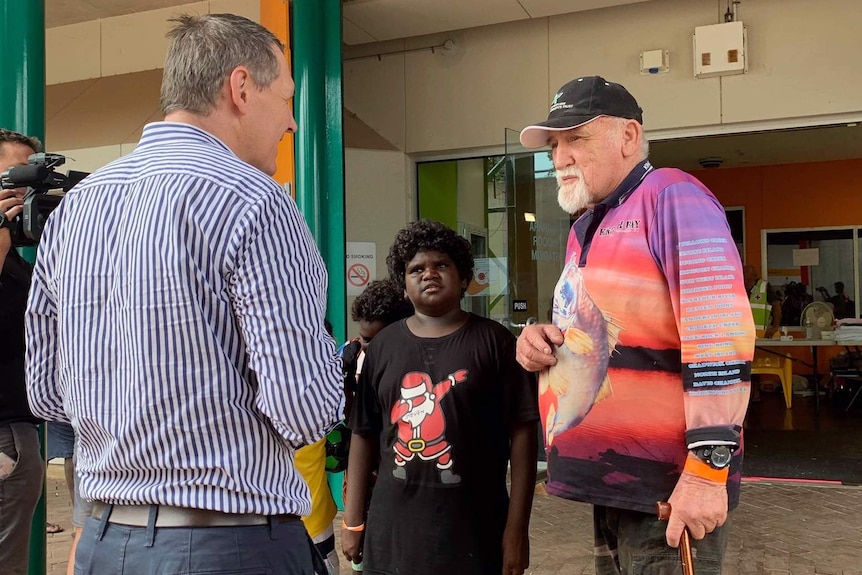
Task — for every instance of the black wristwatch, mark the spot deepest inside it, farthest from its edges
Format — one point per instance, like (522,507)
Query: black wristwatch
(4,221)
(716,456)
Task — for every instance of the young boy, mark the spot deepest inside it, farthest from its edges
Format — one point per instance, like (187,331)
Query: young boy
(444,403)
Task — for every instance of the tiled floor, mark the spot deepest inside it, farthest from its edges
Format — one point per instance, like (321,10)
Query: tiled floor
(780,528)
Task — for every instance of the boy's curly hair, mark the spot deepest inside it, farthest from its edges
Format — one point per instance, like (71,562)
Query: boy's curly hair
(381,301)
(428,235)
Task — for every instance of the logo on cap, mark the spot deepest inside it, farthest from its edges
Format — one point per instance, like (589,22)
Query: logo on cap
(557,105)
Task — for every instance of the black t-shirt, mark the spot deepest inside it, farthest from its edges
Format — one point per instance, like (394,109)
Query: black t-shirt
(14,285)
(443,409)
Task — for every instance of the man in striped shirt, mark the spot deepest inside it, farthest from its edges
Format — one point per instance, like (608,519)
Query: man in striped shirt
(176,320)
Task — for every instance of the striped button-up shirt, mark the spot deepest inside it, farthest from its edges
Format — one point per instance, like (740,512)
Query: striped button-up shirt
(176,319)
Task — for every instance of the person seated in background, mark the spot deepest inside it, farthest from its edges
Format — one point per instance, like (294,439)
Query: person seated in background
(842,305)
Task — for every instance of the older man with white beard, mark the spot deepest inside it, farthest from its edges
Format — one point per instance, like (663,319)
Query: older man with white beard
(645,371)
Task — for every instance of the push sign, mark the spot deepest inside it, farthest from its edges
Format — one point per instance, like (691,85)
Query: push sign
(519,305)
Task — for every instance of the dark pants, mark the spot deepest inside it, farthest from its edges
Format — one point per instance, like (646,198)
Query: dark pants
(22,473)
(275,549)
(633,543)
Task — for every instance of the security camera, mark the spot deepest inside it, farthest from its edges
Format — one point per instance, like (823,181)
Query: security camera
(711,162)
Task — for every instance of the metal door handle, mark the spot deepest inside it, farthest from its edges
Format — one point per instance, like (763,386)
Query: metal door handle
(510,323)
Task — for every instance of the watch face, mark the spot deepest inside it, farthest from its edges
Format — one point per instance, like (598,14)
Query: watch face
(721,456)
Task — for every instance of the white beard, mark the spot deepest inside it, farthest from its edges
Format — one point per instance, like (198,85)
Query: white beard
(572,197)
(418,413)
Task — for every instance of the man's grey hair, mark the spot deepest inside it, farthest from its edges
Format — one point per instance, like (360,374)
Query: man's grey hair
(617,126)
(10,137)
(203,52)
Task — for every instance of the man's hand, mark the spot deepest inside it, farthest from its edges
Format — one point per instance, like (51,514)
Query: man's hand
(11,206)
(536,346)
(696,503)
(516,551)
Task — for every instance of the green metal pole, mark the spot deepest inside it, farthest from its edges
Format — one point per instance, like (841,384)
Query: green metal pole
(22,108)
(316,35)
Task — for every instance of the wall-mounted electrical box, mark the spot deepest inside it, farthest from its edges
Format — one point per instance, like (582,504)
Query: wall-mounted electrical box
(719,50)
(655,61)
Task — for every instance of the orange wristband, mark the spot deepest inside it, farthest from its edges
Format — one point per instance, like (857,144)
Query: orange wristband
(697,467)
(358,528)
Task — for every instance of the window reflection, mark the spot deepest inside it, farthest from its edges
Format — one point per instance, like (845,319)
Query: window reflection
(810,265)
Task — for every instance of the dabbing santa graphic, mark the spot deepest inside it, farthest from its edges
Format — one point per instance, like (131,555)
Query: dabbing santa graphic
(422,425)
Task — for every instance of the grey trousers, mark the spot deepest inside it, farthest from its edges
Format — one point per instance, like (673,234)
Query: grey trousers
(22,473)
(633,543)
(114,549)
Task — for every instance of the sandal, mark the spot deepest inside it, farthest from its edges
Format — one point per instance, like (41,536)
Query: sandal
(52,528)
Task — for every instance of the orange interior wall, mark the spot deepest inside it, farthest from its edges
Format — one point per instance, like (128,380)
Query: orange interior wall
(275,17)
(816,194)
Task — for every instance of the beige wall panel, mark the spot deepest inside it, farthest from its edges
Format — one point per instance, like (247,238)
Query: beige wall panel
(111,110)
(376,198)
(540,8)
(377,203)
(73,52)
(90,159)
(247,8)
(59,96)
(496,77)
(137,42)
(803,61)
(374,92)
(353,34)
(608,43)
(126,149)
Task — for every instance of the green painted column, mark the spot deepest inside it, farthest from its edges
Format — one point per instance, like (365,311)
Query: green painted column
(22,108)
(316,36)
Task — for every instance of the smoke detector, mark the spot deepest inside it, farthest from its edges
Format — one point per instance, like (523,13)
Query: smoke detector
(711,162)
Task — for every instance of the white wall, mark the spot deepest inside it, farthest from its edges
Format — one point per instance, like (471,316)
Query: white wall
(378,203)
(91,159)
(802,63)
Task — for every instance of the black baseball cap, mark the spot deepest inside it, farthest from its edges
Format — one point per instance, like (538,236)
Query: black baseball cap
(580,101)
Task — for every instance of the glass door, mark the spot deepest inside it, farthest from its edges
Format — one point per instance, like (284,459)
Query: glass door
(506,205)
(535,236)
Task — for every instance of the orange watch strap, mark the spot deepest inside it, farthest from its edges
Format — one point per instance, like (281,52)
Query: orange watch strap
(697,467)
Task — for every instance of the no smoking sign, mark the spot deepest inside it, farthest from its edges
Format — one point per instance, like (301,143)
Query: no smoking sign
(358,275)
(360,266)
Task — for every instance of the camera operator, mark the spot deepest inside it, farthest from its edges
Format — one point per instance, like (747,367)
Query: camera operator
(21,467)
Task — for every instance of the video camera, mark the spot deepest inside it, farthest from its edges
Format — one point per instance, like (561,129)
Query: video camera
(39,177)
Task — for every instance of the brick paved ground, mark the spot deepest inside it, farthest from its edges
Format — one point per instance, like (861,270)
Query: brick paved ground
(779,529)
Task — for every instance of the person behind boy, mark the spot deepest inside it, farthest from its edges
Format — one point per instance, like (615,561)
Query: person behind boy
(382,303)
(444,403)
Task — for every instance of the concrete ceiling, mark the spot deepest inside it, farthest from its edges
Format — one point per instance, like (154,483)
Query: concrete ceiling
(368,21)
(841,142)
(364,20)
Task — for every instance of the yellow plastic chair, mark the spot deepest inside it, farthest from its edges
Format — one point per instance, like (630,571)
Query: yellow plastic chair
(769,364)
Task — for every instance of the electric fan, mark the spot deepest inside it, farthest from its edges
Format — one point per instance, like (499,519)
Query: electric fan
(819,317)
